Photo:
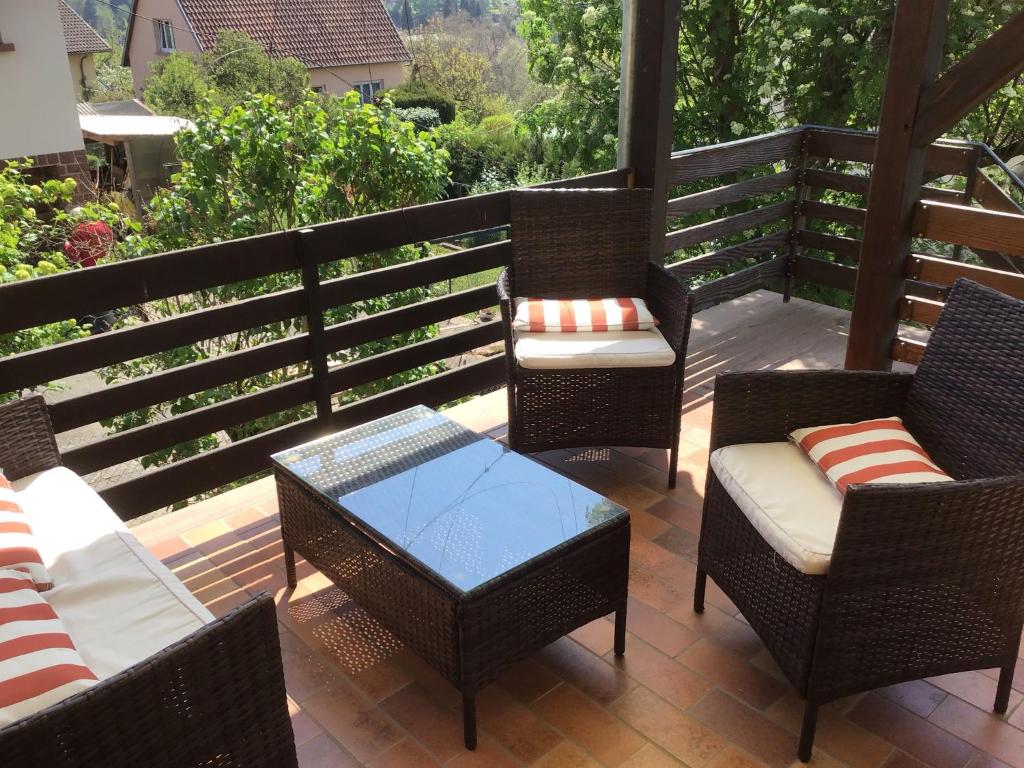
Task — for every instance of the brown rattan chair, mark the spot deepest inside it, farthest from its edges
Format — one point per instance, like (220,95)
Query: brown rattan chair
(592,243)
(214,698)
(924,579)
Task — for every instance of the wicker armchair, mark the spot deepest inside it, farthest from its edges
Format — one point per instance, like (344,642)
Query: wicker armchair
(924,579)
(214,698)
(592,243)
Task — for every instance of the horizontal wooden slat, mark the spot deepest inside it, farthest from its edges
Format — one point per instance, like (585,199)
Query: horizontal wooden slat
(160,435)
(726,256)
(813,209)
(945,272)
(846,247)
(704,162)
(731,193)
(420,223)
(859,147)
(161,487)
(81,292)
(906,350)
(920,310)
(974,227)
(413,355)
(413,274)
(840,182)
(731,225)
(990,195)
(42,365)
(826,273)
(739,283)
(391,322)
(177,382)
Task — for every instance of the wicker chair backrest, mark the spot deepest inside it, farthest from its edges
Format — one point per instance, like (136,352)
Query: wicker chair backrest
(966,403)
(580,243)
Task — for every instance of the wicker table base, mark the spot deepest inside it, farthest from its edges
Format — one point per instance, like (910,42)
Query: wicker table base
(470,637)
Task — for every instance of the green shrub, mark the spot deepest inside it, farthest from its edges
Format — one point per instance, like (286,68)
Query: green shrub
(424,118)
(417,94)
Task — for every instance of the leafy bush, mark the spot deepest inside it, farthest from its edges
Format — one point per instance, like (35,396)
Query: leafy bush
(491,148)
(415,93)
(424,118)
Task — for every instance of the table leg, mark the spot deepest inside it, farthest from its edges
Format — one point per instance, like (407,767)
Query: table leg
(620,630)
(289,565)
(469,720)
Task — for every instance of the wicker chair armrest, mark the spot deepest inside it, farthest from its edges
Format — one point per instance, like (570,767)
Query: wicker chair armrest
(214,697)
(671,302)
(504,286)
(765,406)
(27,444)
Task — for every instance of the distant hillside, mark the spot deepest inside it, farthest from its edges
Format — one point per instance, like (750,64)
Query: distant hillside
(108,17)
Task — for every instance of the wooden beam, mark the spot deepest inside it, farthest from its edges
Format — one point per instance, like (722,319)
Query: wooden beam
(650,41)
(929,269)
(970,81)
(973,227)
(915,55)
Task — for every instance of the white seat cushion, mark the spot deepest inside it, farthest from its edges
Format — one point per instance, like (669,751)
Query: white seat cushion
(601,349)
(785,497)
(119,603)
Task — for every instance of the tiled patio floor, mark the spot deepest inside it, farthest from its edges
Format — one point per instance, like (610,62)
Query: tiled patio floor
(691,690)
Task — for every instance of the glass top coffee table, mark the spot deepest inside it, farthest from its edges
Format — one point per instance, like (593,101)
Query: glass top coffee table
(473,555)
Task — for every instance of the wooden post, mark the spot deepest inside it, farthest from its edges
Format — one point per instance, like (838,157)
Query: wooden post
(314,322)
(647,97)
(914,60)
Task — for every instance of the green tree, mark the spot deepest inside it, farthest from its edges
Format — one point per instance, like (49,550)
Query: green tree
(744,68)
(444,62)
(262,166)
(227,74)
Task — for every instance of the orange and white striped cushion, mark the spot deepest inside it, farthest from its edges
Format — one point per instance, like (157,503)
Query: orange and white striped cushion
(18,549)
(582,315)
(39,664)
(874,451)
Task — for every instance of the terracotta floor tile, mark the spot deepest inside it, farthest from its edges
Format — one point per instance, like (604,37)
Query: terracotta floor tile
(667,677)
(764,661)
(654,627)
(566,755)
(203,534)
(747,728)
(720,628)
(974,688)
(672,730)
(245,518)
(488,754)
(385,677)
(436,727)
(528,680)
(919,696)
(680,542)
(1018,676)
(733,757)
(524,735)
(169,549)
(985,730)
(609,740)
(903,760)
(671,511)
(596,678)
(304,727)
(981,760)
(324,752)
(643,523)
(304,669)
(598,636)
(733,674)
(651,756)
(915,736)
(1016,717)
(352,720)
(405,754)
(835,734)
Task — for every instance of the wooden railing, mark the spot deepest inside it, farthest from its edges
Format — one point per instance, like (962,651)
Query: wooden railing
(776,211)
(84,292)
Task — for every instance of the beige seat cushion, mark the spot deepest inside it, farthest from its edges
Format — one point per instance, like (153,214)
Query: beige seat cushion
(602,349)
(785,497)
(119,603)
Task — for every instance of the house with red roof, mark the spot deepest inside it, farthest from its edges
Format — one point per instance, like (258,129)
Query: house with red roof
(345,44)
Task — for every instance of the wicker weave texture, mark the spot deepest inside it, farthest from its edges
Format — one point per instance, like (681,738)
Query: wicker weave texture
(27,444)
(213,700)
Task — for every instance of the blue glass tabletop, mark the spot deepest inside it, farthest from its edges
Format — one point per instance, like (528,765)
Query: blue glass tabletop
(463,506)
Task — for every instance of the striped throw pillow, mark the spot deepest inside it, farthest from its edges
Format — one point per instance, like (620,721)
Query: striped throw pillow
(39,665)
(17,545)
(874,451)
(579,315)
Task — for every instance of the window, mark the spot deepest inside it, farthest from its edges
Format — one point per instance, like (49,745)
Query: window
(368,89)
(164,35)
(321,89)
